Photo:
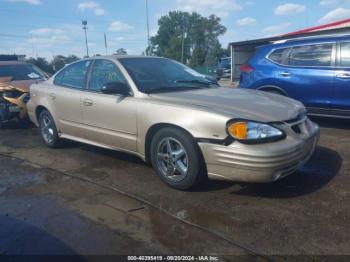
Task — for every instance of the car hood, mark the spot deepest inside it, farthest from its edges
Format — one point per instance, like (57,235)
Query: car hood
(237,103)
(22,85)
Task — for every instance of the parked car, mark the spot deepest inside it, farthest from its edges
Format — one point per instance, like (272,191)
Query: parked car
(168,114)
(223,70)
(15,79)
(314,70)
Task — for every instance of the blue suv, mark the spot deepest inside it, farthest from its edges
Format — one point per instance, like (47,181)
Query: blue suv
(315,71)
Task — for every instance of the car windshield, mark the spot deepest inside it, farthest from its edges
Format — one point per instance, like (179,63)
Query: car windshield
(163,75)
(19,72)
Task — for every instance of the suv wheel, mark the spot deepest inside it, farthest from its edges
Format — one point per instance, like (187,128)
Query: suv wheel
(177,159)
(48,130)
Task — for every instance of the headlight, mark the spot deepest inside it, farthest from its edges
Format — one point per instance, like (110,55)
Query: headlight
(254,132)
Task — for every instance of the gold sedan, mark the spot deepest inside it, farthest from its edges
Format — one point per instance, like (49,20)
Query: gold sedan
(187,126)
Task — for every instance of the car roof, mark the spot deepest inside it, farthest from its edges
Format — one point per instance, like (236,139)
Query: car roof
(306,40)
(116,57)
(12,63)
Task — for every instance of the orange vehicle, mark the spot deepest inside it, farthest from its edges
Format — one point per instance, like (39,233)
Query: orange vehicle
(15,80)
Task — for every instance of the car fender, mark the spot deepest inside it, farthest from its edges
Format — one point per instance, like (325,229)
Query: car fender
(200,124)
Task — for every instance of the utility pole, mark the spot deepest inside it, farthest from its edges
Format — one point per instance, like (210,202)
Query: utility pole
(106,46)
(184,35)
(147,18)
(84,22)
(183,47)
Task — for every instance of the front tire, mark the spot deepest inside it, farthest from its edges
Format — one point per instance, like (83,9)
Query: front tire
(177,159)
(48,130)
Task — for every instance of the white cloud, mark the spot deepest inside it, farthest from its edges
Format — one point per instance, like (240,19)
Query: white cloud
(92,5)
(88,5)
(276,29)
(336,14)
(118,26)
(207,7)
(99,11)
(246,21)
(46,37)
(327,2)
(31,2)
(289,8)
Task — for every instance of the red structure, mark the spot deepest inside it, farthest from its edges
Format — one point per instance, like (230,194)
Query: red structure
(331,26)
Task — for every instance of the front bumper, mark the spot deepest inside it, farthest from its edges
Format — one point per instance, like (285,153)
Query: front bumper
(263,162)
(13,107)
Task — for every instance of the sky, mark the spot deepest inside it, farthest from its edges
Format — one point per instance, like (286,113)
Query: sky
(47,28)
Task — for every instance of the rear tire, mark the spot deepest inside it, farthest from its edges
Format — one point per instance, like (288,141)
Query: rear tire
(48,130)
(179,165)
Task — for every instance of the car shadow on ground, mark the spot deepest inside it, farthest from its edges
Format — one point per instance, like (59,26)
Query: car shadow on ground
(339,123)
(322,168)
(317,173)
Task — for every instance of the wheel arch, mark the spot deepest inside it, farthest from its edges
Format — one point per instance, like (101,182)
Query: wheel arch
(38,111)
(273,88)
(153,130)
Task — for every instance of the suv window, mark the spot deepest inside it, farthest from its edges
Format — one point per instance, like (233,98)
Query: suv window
(278,55)
(73,75)
(104,72)
(311,55)
(345,54)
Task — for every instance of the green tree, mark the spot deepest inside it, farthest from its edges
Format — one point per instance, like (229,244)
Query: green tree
(42,63)
(71,58)
(189,37)
(121,51)
(61,61)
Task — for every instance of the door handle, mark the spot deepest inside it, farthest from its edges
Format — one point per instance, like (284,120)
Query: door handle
(88,102)
(285,74)
(52,96)
(344,75)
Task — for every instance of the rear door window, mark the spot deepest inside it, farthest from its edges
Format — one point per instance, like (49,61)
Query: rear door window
(345,54)
(311,55)
(278,56)
(73,75)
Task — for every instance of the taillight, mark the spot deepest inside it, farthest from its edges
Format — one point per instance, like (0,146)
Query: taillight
(246,68)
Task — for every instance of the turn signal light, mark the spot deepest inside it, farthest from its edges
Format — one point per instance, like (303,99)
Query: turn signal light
(239,130)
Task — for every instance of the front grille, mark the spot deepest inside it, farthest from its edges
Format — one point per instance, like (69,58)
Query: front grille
(297,119)
(296,129)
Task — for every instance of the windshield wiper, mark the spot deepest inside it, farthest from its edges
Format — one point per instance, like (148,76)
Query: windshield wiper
(195,81)
(170,89)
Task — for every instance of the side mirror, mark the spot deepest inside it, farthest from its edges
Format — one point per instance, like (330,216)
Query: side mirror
(116,88)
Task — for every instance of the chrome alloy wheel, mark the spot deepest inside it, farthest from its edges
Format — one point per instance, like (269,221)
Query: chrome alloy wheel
(47,129)
(172,159)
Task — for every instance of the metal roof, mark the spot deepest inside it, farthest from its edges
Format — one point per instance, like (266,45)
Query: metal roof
(335,25)
(327,29)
